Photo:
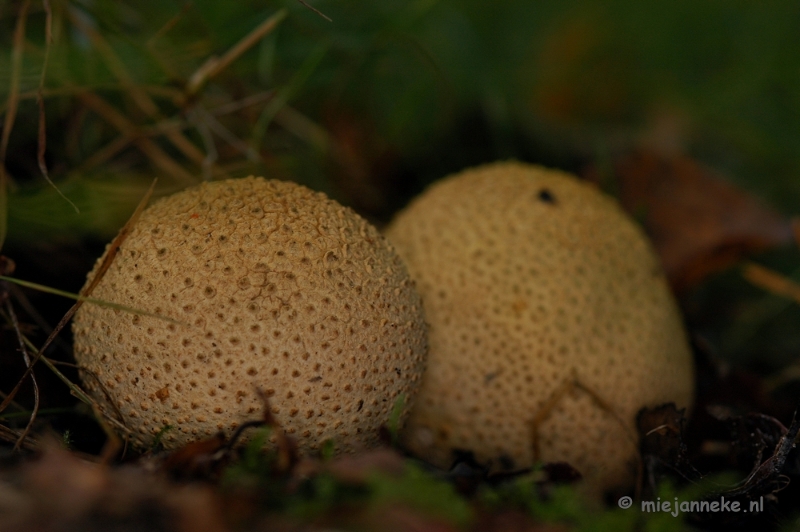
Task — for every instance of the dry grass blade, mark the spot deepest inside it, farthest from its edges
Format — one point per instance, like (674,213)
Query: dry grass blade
(156,155)
(114,247)
(304,128)
(12,436)
(315,10)
(136,92)
(11,112)
(16,69)
(772,281)
(253,99)
(84,299)
(74,389)
(208,141)
(109,257)
(205,121)
(169,93)
(42,147)
(103,155)
(214,65)
(107,152)
(287,92)
(12,315)
(3,204)
(22,301)
(114,64)
(114,443)
(169,25)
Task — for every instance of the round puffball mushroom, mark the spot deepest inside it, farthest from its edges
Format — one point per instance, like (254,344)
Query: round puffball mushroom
(551,323)
(273,287)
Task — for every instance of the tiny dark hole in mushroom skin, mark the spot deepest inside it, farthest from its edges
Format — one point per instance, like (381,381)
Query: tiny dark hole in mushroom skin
(546,196)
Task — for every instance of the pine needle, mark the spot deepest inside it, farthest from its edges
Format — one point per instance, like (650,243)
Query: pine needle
(771,281)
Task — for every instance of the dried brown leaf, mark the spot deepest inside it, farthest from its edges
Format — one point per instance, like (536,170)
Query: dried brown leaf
(699,222)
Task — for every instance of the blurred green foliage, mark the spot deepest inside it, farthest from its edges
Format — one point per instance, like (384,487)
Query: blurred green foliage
(564,80)
(573,76)
(414,89)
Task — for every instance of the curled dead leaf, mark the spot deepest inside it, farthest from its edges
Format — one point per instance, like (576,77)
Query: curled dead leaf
(699,222)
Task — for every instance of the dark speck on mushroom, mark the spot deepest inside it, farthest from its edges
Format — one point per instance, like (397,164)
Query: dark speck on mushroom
(545,196)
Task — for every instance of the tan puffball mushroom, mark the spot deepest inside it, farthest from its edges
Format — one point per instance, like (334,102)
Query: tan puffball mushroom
(278,288)
(551,323)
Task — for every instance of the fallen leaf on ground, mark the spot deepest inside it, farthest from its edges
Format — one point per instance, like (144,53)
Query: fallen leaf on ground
(60,491)
(699,223)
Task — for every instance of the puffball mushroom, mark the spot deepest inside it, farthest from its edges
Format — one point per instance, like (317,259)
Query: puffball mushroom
(270,286)
(551,323)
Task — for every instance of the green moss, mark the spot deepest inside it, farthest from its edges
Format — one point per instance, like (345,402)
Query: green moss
(421,491)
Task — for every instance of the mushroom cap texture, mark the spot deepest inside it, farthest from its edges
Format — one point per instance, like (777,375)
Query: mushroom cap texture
(551,323)
(276,288)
